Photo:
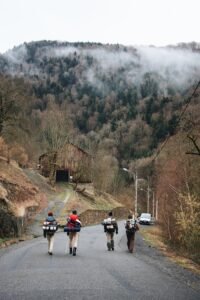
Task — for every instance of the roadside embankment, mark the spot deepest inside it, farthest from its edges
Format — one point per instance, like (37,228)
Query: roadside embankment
(19,199)
(153,236)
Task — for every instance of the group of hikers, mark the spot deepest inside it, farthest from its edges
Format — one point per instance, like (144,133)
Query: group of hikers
(73,227)
(111,227)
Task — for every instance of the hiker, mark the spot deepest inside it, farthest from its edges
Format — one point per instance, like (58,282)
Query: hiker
(110,227)
(50,226)
(131,227)
(73,228)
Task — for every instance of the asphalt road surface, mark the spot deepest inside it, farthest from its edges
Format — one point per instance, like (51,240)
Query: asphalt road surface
(28,272)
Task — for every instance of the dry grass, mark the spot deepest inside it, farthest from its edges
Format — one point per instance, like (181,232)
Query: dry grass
(82,203)
(154,237)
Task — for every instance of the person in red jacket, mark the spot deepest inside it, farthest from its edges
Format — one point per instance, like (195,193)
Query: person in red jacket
(73,228)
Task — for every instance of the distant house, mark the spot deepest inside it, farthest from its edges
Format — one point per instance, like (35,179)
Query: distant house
(69,162)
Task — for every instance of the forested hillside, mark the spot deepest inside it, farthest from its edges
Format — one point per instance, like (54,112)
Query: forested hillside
(118,103)
(125,99)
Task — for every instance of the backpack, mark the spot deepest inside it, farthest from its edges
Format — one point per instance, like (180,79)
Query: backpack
(73,225)
(131,226)
(110,225)
(49,227)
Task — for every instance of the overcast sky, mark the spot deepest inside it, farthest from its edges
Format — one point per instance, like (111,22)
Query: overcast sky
(128,22)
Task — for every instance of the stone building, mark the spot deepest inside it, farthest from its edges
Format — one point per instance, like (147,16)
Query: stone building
(69,162)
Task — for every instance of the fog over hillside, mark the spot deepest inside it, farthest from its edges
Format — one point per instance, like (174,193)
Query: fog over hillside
(173,65)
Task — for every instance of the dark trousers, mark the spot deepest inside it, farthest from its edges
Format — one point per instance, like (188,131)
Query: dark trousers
(130,240)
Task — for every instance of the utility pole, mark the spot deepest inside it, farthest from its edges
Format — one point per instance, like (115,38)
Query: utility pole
(153,206)
(136,193)
(136,187)
(148,196)
(156,209)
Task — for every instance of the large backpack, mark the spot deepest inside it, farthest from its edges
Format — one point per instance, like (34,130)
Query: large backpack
(49,227)
(131,226)
(73,225)
(110,225)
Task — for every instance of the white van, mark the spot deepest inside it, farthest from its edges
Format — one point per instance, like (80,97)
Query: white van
(145,218)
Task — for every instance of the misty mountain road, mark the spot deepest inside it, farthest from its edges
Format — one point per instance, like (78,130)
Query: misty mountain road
(28,272)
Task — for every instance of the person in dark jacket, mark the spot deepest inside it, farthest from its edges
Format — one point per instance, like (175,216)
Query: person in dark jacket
(74,226)
(50,226)
(110,228)
(131,227)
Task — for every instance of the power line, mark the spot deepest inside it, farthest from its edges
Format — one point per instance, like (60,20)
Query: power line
(178,121)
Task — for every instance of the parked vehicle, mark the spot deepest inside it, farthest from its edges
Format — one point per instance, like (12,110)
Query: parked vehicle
(145,218)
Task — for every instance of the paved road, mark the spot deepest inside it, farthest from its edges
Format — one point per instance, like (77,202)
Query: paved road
(56,205)
(28,272)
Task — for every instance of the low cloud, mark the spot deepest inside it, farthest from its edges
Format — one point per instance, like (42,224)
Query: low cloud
(175,66)
(16,55)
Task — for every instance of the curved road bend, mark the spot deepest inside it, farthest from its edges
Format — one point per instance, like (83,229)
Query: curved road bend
(28,272)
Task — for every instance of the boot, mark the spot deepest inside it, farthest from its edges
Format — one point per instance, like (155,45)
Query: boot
(109,246)
(70,250)
(74,251)
(112,245)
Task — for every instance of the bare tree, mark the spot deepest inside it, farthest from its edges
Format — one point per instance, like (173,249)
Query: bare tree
(193,139)
(55,131)
(105,168)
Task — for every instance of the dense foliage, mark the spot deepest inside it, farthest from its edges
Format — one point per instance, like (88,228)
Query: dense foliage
(114,95)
